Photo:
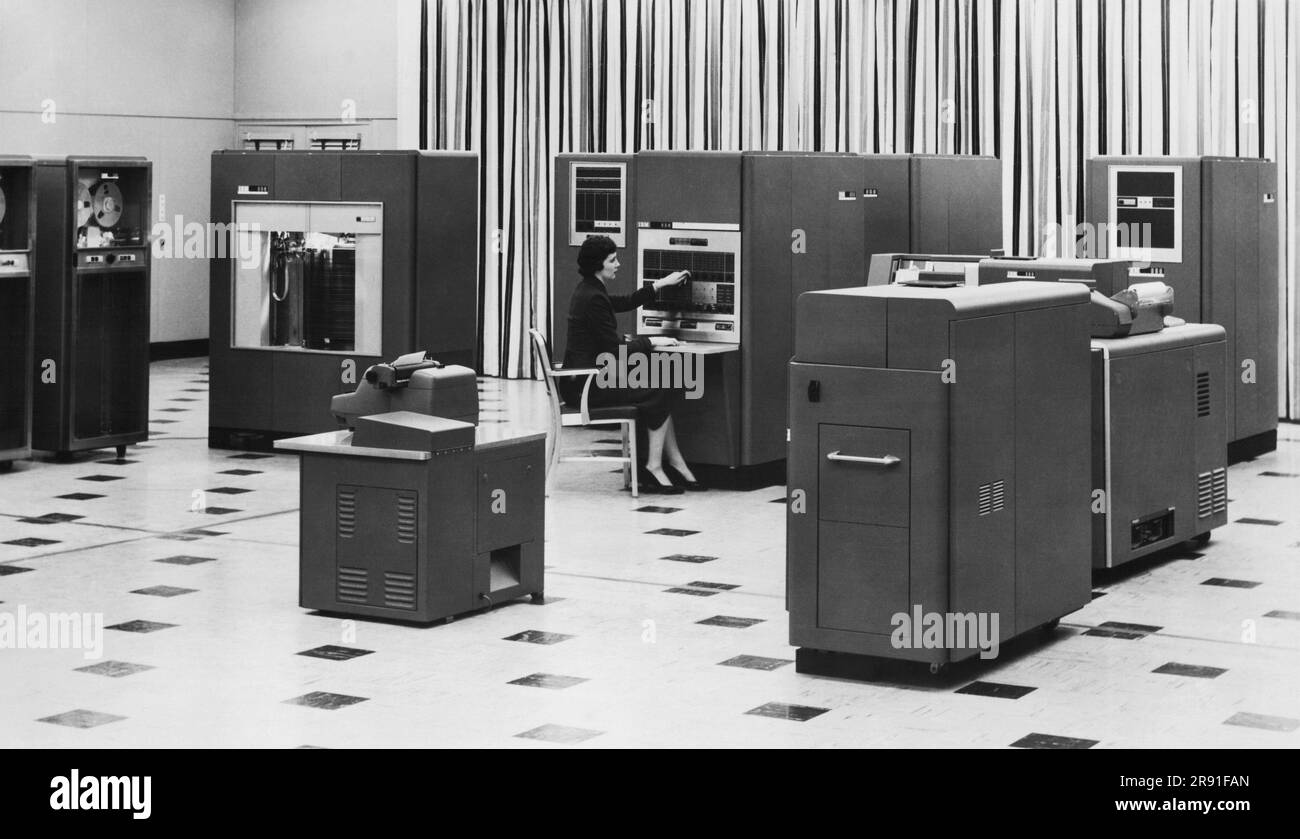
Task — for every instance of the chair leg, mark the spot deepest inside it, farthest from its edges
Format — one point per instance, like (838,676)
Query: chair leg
(627,470)
(631,426)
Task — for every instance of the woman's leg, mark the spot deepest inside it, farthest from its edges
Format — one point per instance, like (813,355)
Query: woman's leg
(674,454)
(654,457)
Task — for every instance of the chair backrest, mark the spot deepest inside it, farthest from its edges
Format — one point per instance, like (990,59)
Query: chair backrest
(542,352)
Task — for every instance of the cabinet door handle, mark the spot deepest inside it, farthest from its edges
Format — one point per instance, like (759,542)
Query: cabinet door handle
(887,460)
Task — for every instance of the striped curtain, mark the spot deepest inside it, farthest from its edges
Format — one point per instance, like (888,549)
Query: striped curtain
(1043,85)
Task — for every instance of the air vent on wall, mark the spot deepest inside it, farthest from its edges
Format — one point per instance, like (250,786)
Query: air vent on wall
(991,497)
(1203,394)
(1211,493)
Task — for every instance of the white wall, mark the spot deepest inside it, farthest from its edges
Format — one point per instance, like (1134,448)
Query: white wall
(146,77)
(301,59)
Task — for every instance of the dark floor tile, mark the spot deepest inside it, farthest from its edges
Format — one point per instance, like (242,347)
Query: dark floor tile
(608,440)
(249,456)
(1187,555)
(126,461)
(1097,594)
(535,636)
(221,511)
(9,570)
(164,591)
(162,422)
(1227,583)
(1114,633)
(653,509)
(1269,522)
(1144,628)
(240,472)
(718,586)
(1276,613)
(114,669)
(30,542)
(559,734)
(198,532)
(325,701)
(174,410)
(756,662)
(228,490)
(335,653)
(81,718)
(668,531)
(79,496)
(141,626)
(184,559)
(697,592)
(195,390)
(996,689)
(1197,671)
(100,478)
(183,399)
(781,500)
(548,680)
(696,558)
(730,622)
(1280,474)
(52,518)
(1052,741)
(782,711)
(1264,721)
(181,537)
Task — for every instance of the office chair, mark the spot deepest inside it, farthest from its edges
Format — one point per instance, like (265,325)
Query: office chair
(568,416)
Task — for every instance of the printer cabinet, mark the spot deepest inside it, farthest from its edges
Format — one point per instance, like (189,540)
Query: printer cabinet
(927,469)
(510,518)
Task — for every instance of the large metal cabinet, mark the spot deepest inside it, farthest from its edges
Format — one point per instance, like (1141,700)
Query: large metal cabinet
(1159,441)
(939,460)
(400,274)
(17,231)
(91,372)
(1212,224)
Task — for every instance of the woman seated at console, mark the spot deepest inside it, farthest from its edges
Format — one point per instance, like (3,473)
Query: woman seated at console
(593,330)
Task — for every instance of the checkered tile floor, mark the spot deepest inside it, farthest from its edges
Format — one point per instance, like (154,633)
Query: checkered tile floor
(664,623)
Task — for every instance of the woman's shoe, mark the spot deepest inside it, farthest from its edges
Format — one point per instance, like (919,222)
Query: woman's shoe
(680,480)
(647,482)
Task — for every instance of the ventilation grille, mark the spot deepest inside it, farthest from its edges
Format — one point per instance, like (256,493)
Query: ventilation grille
(399,590)
(353,586)
(345,512)
(991,497)
(1211,493)
(406,519)
(1203,394)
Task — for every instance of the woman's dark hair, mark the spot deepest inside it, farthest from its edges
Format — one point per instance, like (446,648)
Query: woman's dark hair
(593,253)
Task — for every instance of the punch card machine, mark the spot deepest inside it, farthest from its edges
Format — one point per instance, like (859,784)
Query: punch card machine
(415,512)
(926,465)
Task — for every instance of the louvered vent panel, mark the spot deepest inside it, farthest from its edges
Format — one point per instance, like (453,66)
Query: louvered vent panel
(992,497)
(399,590)
(1203,394)
(345,512)
(353,585)
(406,519)
(1211,493)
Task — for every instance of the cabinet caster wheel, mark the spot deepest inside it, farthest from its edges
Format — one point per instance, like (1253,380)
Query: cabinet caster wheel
(1051,625)
(1201,540)
(539,598)
(121,452)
